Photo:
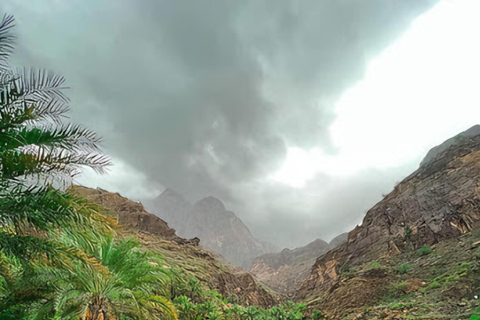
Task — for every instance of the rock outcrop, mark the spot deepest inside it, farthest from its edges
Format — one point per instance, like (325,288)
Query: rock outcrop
(285,271)
(156,235)
(218,229)
(440,200)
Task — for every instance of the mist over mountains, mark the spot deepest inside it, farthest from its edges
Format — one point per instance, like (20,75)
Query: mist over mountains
(219,230)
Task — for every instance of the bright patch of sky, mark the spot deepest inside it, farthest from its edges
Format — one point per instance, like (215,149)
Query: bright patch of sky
(419,92)
(122,178)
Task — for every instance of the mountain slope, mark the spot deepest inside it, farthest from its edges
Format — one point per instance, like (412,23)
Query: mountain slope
(439,201)
(219,230)
(192,259)
(286,270)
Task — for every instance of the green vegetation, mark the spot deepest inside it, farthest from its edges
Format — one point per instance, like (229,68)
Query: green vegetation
(425,250)
(60,256)
(404,268)
(215,307)
(374,265)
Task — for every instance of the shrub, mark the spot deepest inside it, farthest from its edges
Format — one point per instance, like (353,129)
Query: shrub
(402,286)
(404,268)
(425,250)
(374,265)
(434,285)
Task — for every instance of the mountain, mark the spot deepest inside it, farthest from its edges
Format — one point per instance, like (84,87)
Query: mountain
(338,240)
(218,229)
(417,243)
(285,271)
(155,235)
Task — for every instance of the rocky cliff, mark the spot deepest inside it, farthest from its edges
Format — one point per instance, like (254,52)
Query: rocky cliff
(285,271)
(439,201)
(156,235)
(218,229)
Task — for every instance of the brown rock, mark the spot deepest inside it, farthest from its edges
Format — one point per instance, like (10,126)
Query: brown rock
(155,234)
(285,271)
(440,200)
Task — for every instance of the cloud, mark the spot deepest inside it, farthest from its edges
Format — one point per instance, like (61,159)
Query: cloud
(207,97)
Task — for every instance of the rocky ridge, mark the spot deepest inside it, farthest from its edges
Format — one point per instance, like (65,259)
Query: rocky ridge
(285,271)
(156,235)
(439,201)
(218,229)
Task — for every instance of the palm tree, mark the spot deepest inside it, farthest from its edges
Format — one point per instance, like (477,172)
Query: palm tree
(38,149)
(129,282)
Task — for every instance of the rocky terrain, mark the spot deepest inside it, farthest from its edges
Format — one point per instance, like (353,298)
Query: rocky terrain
(415,256)
(285,271)
(438,202)
(218,229)
(156,235)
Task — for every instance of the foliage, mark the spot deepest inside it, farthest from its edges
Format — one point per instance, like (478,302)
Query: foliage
(38,149)
(434,285)
(374,265)
(216,308)
(404,268)
(58,255)
(425,250)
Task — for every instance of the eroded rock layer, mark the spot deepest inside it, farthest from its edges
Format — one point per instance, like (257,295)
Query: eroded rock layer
(156,235)
(440,200)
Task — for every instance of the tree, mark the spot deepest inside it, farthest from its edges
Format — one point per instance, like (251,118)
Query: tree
(38,149)
(129,282)
(58,255)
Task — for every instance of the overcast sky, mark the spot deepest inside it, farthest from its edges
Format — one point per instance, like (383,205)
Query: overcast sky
(297,114)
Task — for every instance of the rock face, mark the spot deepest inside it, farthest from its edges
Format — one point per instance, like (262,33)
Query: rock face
(438,201)
(285,271)
(156,235)
(219,230)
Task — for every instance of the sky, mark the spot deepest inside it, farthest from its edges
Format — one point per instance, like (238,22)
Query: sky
(298,115)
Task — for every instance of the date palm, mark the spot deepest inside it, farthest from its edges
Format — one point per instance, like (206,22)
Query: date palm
(128,283)
(38,149)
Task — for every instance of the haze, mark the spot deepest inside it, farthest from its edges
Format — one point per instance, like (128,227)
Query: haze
(298,115)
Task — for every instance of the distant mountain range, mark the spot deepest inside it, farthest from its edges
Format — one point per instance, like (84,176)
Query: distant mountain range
(285,271)
(155,235)
(218,229)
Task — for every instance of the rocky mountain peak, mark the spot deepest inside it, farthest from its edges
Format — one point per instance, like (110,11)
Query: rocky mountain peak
(219,230)
(338,240)
(210,205)
(440,200)
(317,243)
(171,195)
(461,138)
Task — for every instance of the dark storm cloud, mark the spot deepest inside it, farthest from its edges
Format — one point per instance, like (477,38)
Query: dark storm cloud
(205,96)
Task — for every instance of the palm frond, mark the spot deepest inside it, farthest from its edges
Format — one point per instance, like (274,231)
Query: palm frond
(6,39)
(73,138)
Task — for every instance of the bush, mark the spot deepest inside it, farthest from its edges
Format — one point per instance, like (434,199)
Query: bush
(434,285)
(404,268)
(402,286)
(374,265)
(425,250)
